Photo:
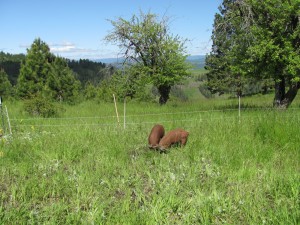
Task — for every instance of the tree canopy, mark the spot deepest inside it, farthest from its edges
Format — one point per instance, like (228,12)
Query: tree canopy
(44,74)
(260,39)
(34,70)
(61,82)
(5,85)
(146,43)
(11,64)
(86,71)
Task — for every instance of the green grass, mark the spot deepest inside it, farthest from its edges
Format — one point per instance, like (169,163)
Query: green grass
(82,168)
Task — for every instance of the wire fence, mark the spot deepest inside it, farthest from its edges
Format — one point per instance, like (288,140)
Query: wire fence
(181,118)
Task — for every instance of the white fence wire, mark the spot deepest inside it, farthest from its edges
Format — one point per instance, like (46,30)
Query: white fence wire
(146,119)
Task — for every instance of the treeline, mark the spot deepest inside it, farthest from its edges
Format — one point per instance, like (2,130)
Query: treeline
(43,80)
(255,47)
(86,71)
(39,77)
(11,64)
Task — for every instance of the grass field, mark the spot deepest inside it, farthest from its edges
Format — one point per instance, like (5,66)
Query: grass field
(84,168)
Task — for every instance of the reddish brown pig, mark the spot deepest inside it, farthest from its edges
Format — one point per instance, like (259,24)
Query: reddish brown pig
(157,132)
(177,136)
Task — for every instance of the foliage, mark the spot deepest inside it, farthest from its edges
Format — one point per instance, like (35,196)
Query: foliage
(257,39)
(88,71)
(104,91)
(153,51)
(203,88)
(61,82)
(41,106)
(11,64)
(178,93)
(84,69)
(125,82)
(129,82)
(5,85)
(43,73)
(90,91)
(35,70)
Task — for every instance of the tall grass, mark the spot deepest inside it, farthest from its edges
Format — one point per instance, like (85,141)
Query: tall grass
(82,168)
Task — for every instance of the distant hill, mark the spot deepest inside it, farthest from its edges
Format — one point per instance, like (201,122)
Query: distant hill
(197,60)
(110,60)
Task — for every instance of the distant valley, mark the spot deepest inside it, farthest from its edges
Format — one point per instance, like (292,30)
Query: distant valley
(197,60)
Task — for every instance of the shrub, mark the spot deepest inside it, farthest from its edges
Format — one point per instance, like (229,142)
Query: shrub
(205,91)
(41,106)
(178,93)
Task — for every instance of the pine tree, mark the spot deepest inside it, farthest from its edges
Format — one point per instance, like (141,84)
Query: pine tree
(44,74)
(257,39)
(5,85)
(35,70)
(61,82)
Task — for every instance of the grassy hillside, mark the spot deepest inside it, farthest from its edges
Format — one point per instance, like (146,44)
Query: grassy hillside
(83,168)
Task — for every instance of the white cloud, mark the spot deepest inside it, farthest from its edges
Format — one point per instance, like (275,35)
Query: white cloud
(198,47)
(68,47)
(70,50)
(24,46)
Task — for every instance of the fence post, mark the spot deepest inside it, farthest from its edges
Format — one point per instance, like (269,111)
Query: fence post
(2,117)
(8,122)
(239,108)
(124,112)
(116,110)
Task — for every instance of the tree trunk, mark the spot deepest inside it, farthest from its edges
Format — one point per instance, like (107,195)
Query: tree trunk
(279,92)
(283,100)
(290,96)
(164,91)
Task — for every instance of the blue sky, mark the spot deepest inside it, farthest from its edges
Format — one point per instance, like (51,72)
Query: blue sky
(76,29)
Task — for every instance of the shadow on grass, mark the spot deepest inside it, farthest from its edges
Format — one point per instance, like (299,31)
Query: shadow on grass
(244,106)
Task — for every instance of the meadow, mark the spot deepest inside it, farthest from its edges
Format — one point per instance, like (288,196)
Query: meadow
(86,168)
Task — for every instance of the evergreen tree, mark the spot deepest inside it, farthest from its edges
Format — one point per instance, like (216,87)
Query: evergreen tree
(88,71)
(217,63)
(44,74)
(5,85)
(260,39)
(11,63)
(35,70)
(275,47)
(61,82)
(90,91)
